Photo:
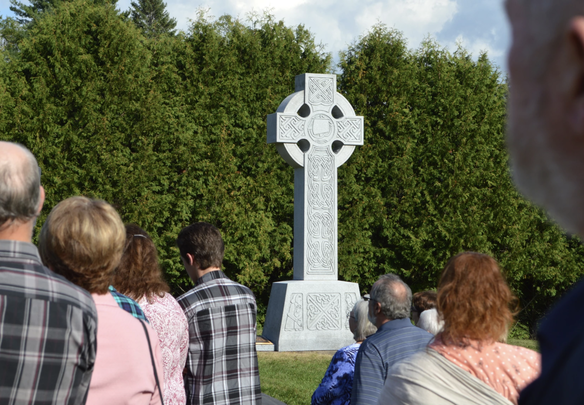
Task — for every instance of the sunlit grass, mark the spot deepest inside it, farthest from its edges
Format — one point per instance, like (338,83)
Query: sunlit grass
(292,377)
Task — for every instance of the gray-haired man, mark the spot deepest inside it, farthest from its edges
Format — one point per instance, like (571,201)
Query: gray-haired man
(396,338)
(47,325)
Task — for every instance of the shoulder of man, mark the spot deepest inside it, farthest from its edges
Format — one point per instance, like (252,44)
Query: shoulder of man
(51,286)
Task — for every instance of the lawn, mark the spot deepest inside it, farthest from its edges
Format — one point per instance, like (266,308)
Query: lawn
(292,377)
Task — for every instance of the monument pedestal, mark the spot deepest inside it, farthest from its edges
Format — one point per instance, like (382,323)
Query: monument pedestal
(310,315)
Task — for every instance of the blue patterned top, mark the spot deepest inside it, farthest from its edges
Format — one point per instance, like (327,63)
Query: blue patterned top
(337,383)
(128,304)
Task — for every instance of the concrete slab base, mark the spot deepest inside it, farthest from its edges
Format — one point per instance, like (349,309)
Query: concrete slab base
(310,315)
(263,344)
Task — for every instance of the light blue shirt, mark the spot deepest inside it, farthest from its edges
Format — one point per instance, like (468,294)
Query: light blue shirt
(394,341)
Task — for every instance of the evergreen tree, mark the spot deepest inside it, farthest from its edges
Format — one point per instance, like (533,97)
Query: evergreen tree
(26,13)
(432,179)
(152,18)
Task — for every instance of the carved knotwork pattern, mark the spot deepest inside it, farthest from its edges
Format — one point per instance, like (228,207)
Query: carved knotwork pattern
(291,128)
(350,130)
(320,246)
(321,91)
(323,311)
(350,300)
(294,315)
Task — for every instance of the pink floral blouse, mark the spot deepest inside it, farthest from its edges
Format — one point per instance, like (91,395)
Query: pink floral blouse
(169,321)
(507,369)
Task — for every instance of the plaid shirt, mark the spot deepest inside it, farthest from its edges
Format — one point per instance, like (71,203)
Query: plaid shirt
(222,364)
(128,304)
(47,332)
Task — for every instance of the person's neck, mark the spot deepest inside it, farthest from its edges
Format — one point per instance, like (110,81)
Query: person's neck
(200,273)
(18,231)
(382,321)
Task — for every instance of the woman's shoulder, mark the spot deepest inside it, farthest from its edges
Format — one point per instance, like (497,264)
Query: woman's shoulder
(518,352)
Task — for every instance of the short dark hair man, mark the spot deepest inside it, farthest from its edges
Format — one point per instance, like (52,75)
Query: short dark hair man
(47,325)
(222,365)
(546,144)
(396,338)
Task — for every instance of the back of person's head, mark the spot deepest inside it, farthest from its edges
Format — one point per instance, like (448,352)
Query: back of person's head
(83,240)
(423,300)
(20,182)
(363,327)
(204,242)
(473,299)
(430,321)
(394,296)
(138,274)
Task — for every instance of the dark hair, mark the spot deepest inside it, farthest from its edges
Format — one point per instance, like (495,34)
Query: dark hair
(395,302)
(139,274)
(204,242)
(424,300)
(474,299)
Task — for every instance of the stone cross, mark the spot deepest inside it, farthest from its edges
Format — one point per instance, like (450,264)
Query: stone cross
(315,130)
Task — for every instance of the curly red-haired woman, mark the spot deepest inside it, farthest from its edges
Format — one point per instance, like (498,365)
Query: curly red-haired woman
(139,277)
(467,363)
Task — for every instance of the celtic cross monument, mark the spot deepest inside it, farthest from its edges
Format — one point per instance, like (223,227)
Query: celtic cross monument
(315,130)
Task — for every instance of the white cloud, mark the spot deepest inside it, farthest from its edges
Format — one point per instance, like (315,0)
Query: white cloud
(337,23)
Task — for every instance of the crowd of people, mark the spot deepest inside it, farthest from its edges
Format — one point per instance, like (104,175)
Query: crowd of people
(88,318)
(466,362)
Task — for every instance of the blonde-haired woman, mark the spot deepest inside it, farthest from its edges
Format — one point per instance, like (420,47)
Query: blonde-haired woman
(82,240)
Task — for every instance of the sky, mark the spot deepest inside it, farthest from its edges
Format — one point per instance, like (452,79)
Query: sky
(480,25)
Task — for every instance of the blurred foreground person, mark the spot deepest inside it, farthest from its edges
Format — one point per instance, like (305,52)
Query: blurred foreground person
(545,138)
(139,277)
(466,364)
(337,383)
(83,240)
(47,325)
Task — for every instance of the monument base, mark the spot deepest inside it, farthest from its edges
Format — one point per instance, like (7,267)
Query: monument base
(310,315)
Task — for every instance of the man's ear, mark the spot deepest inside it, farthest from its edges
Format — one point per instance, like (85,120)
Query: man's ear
(190,259)
(376,308)
(41,199)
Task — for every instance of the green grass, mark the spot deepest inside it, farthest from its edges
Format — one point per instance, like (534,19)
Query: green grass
(530,344)
(292,377)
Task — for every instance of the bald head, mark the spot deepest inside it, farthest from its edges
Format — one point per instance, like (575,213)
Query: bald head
(20,194)
(546,106)
(394,296)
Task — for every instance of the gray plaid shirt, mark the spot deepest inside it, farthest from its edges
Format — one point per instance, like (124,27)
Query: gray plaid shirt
(222,361)
(47,332)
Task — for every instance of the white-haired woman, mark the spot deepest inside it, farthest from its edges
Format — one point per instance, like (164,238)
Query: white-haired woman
(337,383)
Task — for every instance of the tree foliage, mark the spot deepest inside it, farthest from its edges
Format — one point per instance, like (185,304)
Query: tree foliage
(433,177)
(152,18)
(172,130)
